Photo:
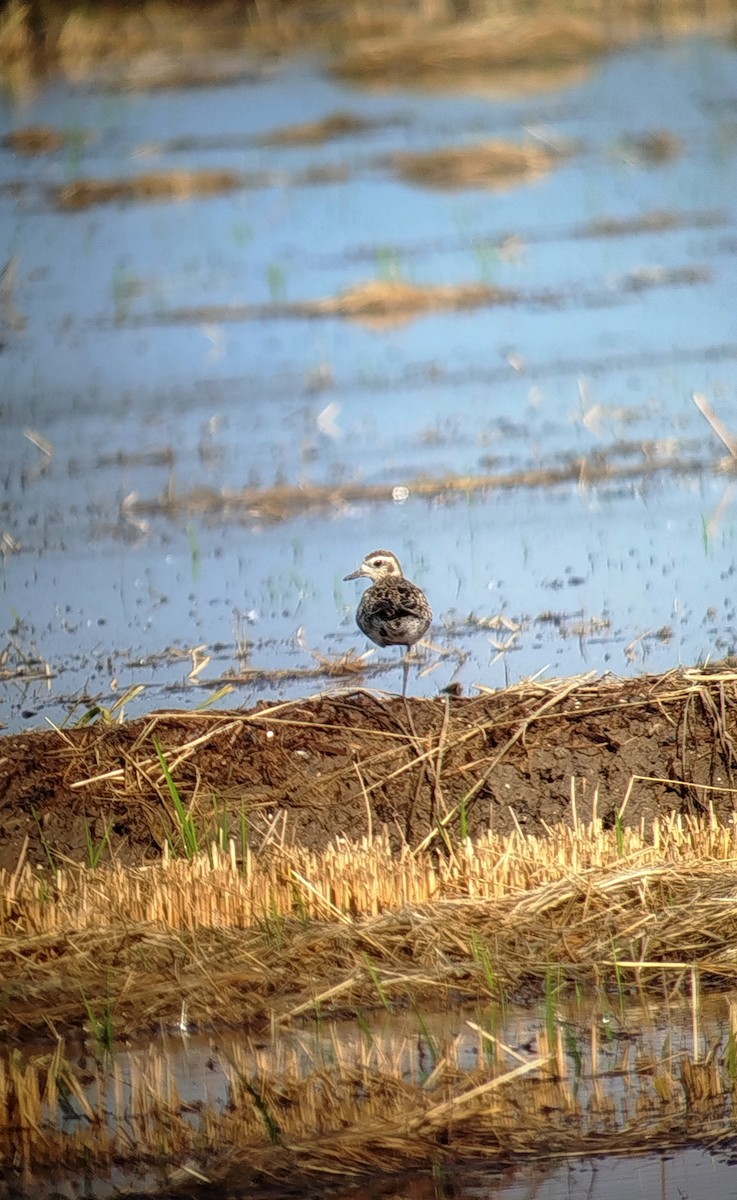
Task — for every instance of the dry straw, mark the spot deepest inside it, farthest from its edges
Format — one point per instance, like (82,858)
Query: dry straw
(349,881)
(493,164)
(265,929)
(282,934)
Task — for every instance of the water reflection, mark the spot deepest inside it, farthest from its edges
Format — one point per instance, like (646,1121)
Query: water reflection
(614,1073)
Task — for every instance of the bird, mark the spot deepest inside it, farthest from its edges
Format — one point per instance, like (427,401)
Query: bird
(393,611)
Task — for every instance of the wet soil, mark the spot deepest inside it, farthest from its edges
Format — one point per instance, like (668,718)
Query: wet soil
(344,765)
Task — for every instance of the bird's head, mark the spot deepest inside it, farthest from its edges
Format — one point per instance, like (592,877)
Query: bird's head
(379,564)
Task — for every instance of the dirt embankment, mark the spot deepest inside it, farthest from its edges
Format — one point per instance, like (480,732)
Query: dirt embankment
(309,771)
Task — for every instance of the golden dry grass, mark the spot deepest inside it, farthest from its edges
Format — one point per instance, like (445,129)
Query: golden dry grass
(494,165)
(351,881)
(429,38)
(149,185)
(381,303)
(277,936)
(424,52)
(84,37)
(163,43)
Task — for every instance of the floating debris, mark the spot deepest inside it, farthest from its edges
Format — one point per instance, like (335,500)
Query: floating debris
(35,139)
(658,220)
(657,148)
(284,501)
(643,278)
(184,185)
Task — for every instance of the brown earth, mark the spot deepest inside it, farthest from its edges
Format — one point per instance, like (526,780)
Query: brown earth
(340,765)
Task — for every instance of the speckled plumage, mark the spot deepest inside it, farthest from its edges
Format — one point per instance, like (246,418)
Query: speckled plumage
(393,611)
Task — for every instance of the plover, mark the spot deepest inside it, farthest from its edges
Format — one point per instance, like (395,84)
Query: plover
(393,611)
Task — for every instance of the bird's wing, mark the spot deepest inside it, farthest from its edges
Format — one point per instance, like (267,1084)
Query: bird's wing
(402,601)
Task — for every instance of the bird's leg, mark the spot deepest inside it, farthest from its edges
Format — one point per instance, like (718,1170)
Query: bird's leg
(405,671)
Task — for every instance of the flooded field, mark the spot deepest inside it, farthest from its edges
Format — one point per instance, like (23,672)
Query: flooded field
(253,329)
(463,289)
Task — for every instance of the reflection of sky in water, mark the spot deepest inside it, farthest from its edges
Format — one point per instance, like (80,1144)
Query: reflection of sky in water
(654,1035)
(464,393)
(671,1176)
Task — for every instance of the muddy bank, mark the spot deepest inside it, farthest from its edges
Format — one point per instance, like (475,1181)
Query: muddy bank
(216,890)
(529,756)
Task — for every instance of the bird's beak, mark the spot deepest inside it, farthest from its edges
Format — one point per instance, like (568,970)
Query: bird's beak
(356,575)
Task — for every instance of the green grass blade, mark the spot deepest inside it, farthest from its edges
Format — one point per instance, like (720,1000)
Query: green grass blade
(186,824)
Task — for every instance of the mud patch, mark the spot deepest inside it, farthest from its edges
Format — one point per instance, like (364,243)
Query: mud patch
(314,765)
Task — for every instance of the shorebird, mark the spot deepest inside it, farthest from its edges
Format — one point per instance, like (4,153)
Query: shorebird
(393,611)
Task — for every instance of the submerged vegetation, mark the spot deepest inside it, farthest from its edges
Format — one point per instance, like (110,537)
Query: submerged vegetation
(283,501)
(296,1111)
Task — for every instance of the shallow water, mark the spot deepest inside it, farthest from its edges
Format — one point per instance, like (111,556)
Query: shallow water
(692,1173)
(624,574)
(637,1045)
